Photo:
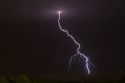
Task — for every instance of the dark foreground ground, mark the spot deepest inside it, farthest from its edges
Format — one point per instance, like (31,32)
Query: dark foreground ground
(28,79)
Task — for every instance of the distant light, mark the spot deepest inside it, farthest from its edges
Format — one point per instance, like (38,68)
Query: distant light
(59,12)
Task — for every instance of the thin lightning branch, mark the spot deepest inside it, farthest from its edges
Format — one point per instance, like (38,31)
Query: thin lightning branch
(77,43)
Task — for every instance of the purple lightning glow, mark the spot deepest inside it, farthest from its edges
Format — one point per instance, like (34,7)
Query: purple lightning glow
(77,43)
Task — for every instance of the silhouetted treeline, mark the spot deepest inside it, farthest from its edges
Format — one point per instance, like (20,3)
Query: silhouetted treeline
(26,79)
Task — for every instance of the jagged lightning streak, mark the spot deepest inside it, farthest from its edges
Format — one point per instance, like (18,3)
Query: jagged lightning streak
(77,43)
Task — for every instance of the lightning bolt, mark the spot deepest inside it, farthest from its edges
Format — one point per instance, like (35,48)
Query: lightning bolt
(77,43)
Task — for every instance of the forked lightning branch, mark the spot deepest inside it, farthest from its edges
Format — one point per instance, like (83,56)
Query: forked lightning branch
(77,43)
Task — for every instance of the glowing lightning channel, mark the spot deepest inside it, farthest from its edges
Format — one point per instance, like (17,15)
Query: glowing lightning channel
(77,43)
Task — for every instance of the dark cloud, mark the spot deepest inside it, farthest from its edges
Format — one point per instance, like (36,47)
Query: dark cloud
(31,41)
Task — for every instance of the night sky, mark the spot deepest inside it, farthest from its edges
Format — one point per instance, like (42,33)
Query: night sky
(31,42)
